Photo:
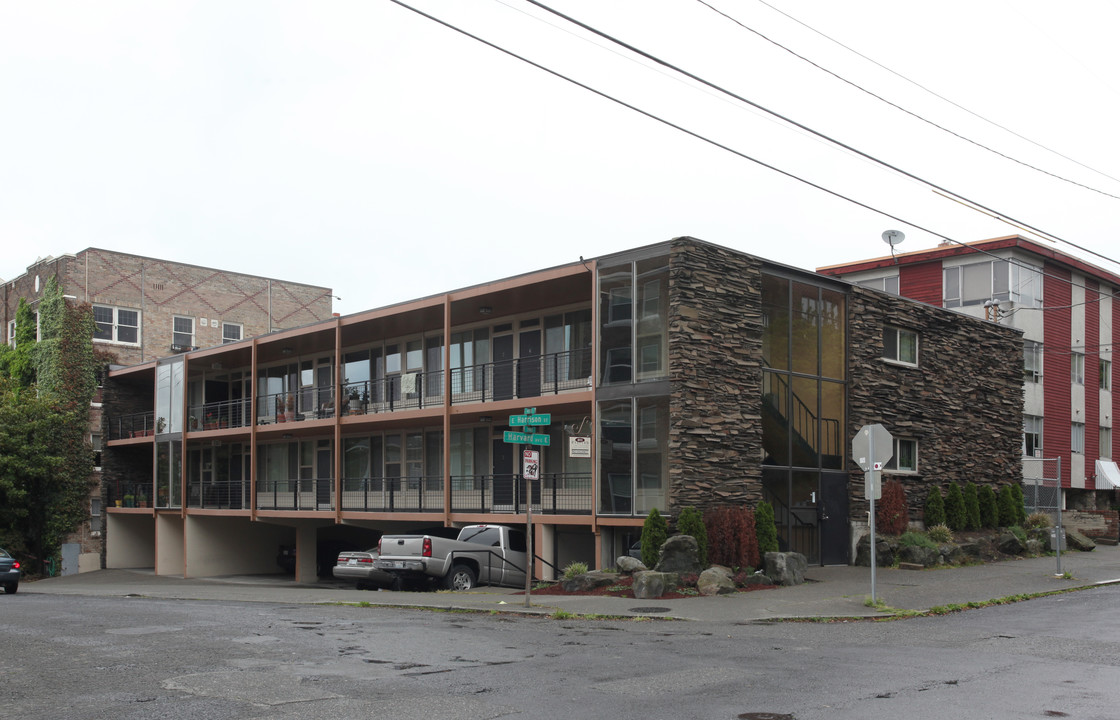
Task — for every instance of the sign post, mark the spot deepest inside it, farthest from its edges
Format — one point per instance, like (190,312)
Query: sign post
(872,447)
(530,471)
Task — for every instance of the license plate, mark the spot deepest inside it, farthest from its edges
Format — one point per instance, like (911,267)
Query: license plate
(398,564)
(352,561)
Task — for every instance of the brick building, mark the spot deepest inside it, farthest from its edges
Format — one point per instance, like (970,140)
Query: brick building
(147,308)
(693,374)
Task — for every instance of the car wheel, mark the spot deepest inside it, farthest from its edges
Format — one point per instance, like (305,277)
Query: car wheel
(461,577)
(396,584)
(11,588)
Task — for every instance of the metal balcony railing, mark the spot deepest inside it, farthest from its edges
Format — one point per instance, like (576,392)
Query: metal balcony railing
(306,494)
(306,404)
(219,415)
(522,378)
(132,426)
(218,495)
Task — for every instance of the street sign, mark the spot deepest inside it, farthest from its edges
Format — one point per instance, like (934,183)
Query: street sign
(873,485)
(872,444)
(531,464)
(579,446)
(534,419)
(526,438)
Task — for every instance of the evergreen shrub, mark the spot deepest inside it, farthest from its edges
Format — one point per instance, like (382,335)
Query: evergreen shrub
(1020,506)
(989,512)
(971,506)
(1007,514)
(655,531)
(916,539)
(765,529)
(940,534)
(955,516)
(691,522)
(935,508)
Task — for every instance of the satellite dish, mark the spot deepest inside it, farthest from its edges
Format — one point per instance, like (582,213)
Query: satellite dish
(893,237)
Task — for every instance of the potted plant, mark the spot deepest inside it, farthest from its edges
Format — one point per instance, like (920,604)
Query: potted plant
(365,400)
(352,401)
(129,501)
(120,503)
(210,420)
(142,500)
(192,422)
(290,405)
(161,423)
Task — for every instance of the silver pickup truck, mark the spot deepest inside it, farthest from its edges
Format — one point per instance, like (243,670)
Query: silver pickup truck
(482,554)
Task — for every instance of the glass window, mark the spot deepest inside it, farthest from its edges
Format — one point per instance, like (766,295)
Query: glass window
(1077,437)
(615,284)
(182,332)
(1032,435)
(905,456)
(652,326)
(775,322)
(112,324)
(616,456)
(1032,361)
(900,345)
(886,284)
(952,287)
(231,332)
(833,333)
(1104,442)
(1077,368)
(1106,374)
(806,328)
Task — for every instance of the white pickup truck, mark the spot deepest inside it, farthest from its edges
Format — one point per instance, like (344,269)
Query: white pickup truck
(482,554)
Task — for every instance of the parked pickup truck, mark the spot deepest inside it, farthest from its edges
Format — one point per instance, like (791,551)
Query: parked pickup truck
(482,554)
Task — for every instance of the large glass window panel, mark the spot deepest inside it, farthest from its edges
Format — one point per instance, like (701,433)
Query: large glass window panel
(775,490)
(806,328)
(776,420)
(1001,280)
(128,326)
(976,283)
(803,537)
(804,423)
(775,322)
(652,313)
(833,444)
(462,459)
(615,291)
(163,397)
(951,292)
(103,322)
(616,458)
(355,461)
(652,455)
(833,332)
(433,460)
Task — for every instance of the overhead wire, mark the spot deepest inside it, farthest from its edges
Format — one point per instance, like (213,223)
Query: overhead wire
(900,108)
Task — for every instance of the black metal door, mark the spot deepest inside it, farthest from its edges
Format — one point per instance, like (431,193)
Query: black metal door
(833,510)
(503,475)
(529,364)
(503,367)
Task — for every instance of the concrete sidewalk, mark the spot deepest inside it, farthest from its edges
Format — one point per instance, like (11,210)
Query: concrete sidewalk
(832,592)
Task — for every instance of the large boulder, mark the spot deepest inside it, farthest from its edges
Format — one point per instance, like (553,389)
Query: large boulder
(650,584)
(1009,544)
(757,578)
(924,556)
(950,553)
(680,554)
(715,581)
(628,566)
(1076,540)
(785,568)
(884,553)
(589,581)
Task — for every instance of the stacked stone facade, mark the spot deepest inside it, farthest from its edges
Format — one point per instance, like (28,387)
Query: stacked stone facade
(963,403)
(715,347)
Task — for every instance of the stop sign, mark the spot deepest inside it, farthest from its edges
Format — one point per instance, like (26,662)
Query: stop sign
(871,445)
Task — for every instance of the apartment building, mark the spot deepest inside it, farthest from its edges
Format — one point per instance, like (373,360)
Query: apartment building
(147,308)
(1064,307)
(673,375)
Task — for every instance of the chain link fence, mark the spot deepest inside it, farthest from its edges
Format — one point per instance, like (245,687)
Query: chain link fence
(1042,484)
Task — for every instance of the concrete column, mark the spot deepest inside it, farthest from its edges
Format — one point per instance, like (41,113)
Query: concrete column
(306,572)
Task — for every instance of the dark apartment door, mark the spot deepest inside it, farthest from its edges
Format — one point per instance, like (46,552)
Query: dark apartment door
(503,367)
(502,473)
(833,509)
(324,482)
(529,364)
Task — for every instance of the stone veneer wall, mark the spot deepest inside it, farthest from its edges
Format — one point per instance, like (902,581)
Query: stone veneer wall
(715,346)
(963,403)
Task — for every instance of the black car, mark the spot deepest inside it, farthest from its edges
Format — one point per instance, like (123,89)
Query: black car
(9,572)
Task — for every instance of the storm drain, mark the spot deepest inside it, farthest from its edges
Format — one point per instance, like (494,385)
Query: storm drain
(648,610)
(765,716)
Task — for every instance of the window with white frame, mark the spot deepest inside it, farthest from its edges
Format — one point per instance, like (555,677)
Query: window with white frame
(182,332)
(1032,435)
(1104,443)
(900,345)
(974,283)
(11,333)
(1077,368)
(1077,437)
(886,284)
(95,442)
(231,332)
(95,514)
(114,324)
(1032,361)
(1106,374)
(905,457)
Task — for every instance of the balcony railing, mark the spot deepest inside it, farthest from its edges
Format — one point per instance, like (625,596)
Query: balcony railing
(129,494)
(307,494)
(219,495)
(522,378)
(556,493)
(132,426)
(397,494)
(306,404)
(219,415)
(406,391)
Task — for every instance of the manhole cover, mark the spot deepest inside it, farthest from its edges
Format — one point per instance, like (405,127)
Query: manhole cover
(645,610)
(765,716)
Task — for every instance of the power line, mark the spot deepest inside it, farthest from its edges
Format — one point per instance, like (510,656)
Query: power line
(806,128)
(902,109)
(936,95)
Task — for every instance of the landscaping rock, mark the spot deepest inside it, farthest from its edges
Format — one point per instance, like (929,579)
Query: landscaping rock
(588,581)
(758,578)
(715,581)
(972,549)
(650,584)
(1076,540)
(884,553)
(1009,544)
(680,554)
(950,553)
(628,566)
(786,568)
(915,555)
(1035,546)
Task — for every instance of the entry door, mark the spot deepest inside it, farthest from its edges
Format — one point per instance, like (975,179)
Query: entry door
(502,473)
(833,509)
(503,367)
(529,364)
(324,478)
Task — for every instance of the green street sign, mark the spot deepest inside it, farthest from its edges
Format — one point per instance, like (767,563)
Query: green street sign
(535,419)
(526,438)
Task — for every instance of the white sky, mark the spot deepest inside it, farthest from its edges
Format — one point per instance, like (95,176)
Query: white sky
(360,146)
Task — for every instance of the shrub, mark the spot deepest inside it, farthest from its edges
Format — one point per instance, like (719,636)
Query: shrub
(935,508)
(971,506)
(654,533)
(1020,506)
(940,533)
(1007,514)
(1038,521)
(764,528)
(1019,533)
(574,570)
(688,579)
(916,539)
(989,513)
(731,536)
(955,516)
(690,522)
(892,515)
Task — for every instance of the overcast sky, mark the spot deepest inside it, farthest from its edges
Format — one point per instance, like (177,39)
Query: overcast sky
(361,146)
